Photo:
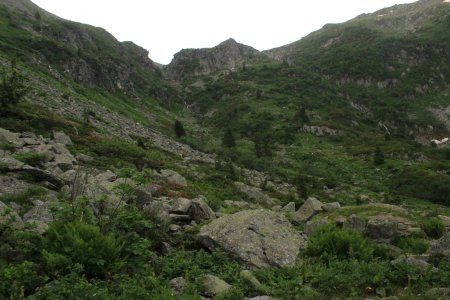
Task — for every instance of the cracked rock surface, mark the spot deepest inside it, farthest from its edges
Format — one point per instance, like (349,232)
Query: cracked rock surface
(259,238)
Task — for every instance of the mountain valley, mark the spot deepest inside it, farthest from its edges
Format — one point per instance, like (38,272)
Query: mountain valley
(316,170)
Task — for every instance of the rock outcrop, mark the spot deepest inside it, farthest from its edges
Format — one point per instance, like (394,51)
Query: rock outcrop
(381,228)
(213,286)
(226,56)
(311,207)
(259,238)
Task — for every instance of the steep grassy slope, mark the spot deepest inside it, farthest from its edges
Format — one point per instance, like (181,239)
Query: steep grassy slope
(69,59)
(376,81)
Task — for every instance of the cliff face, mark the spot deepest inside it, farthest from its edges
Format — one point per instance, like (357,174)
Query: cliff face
(86,54)
(226,56)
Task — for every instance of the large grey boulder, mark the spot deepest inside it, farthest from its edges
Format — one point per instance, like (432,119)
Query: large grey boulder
(201,211)
(12,165)
(181,206)
(381,228)
(174,178)
(213,285)
(311,207)
(248,276)
(356,223)
(289,208)
(311,225)
(158,211)
(259,238)
(385,228)
(62,138)
(8,137)
(107,176)
(177,285)
(256,194)
(331,206)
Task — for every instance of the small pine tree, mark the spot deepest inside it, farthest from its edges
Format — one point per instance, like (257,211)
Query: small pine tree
(378,157)
(300,184)
(13,87)
(258,94)
(263,145)
(300,116)
(179,130)
(37,15)
(228,139)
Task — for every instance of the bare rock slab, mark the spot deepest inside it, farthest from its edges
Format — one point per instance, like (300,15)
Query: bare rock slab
(213,286)
(259,238)
(311,207)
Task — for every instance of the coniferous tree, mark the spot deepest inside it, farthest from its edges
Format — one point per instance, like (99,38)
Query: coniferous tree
(228,139)
(13,87)
(300,184)
(378,157)
(179,130)
(263,145)
(301,117)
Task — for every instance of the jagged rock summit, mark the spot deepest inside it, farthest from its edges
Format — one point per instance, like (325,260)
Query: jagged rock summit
(226,56)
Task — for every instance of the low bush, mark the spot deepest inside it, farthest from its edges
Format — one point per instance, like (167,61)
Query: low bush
(76,244)
(329,242)
(34,159)
(412,245)
(434,228)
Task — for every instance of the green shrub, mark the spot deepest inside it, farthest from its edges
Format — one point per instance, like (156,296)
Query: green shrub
(17,280)
(34,159)
(179,129)
(117,152)
(71,244)
(13,87)
(434,228)
(7,147)
(412,245)
(329,242)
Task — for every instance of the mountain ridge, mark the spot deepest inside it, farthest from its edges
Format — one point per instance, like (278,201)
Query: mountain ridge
(226,56)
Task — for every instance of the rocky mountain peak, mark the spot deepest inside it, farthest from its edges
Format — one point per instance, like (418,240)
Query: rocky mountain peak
(224,57)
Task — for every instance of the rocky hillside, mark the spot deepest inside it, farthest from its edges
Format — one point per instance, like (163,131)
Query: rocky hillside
(322,172)
(226,57)
(67,50)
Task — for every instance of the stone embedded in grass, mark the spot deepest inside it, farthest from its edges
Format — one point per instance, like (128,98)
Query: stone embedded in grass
(259,238)
(62,138)
(311,207)
(174,178)
(177,285)
(201,211)
(213,285)
(181,206)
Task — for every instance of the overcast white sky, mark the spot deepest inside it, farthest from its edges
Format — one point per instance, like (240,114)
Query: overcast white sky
(164,27)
